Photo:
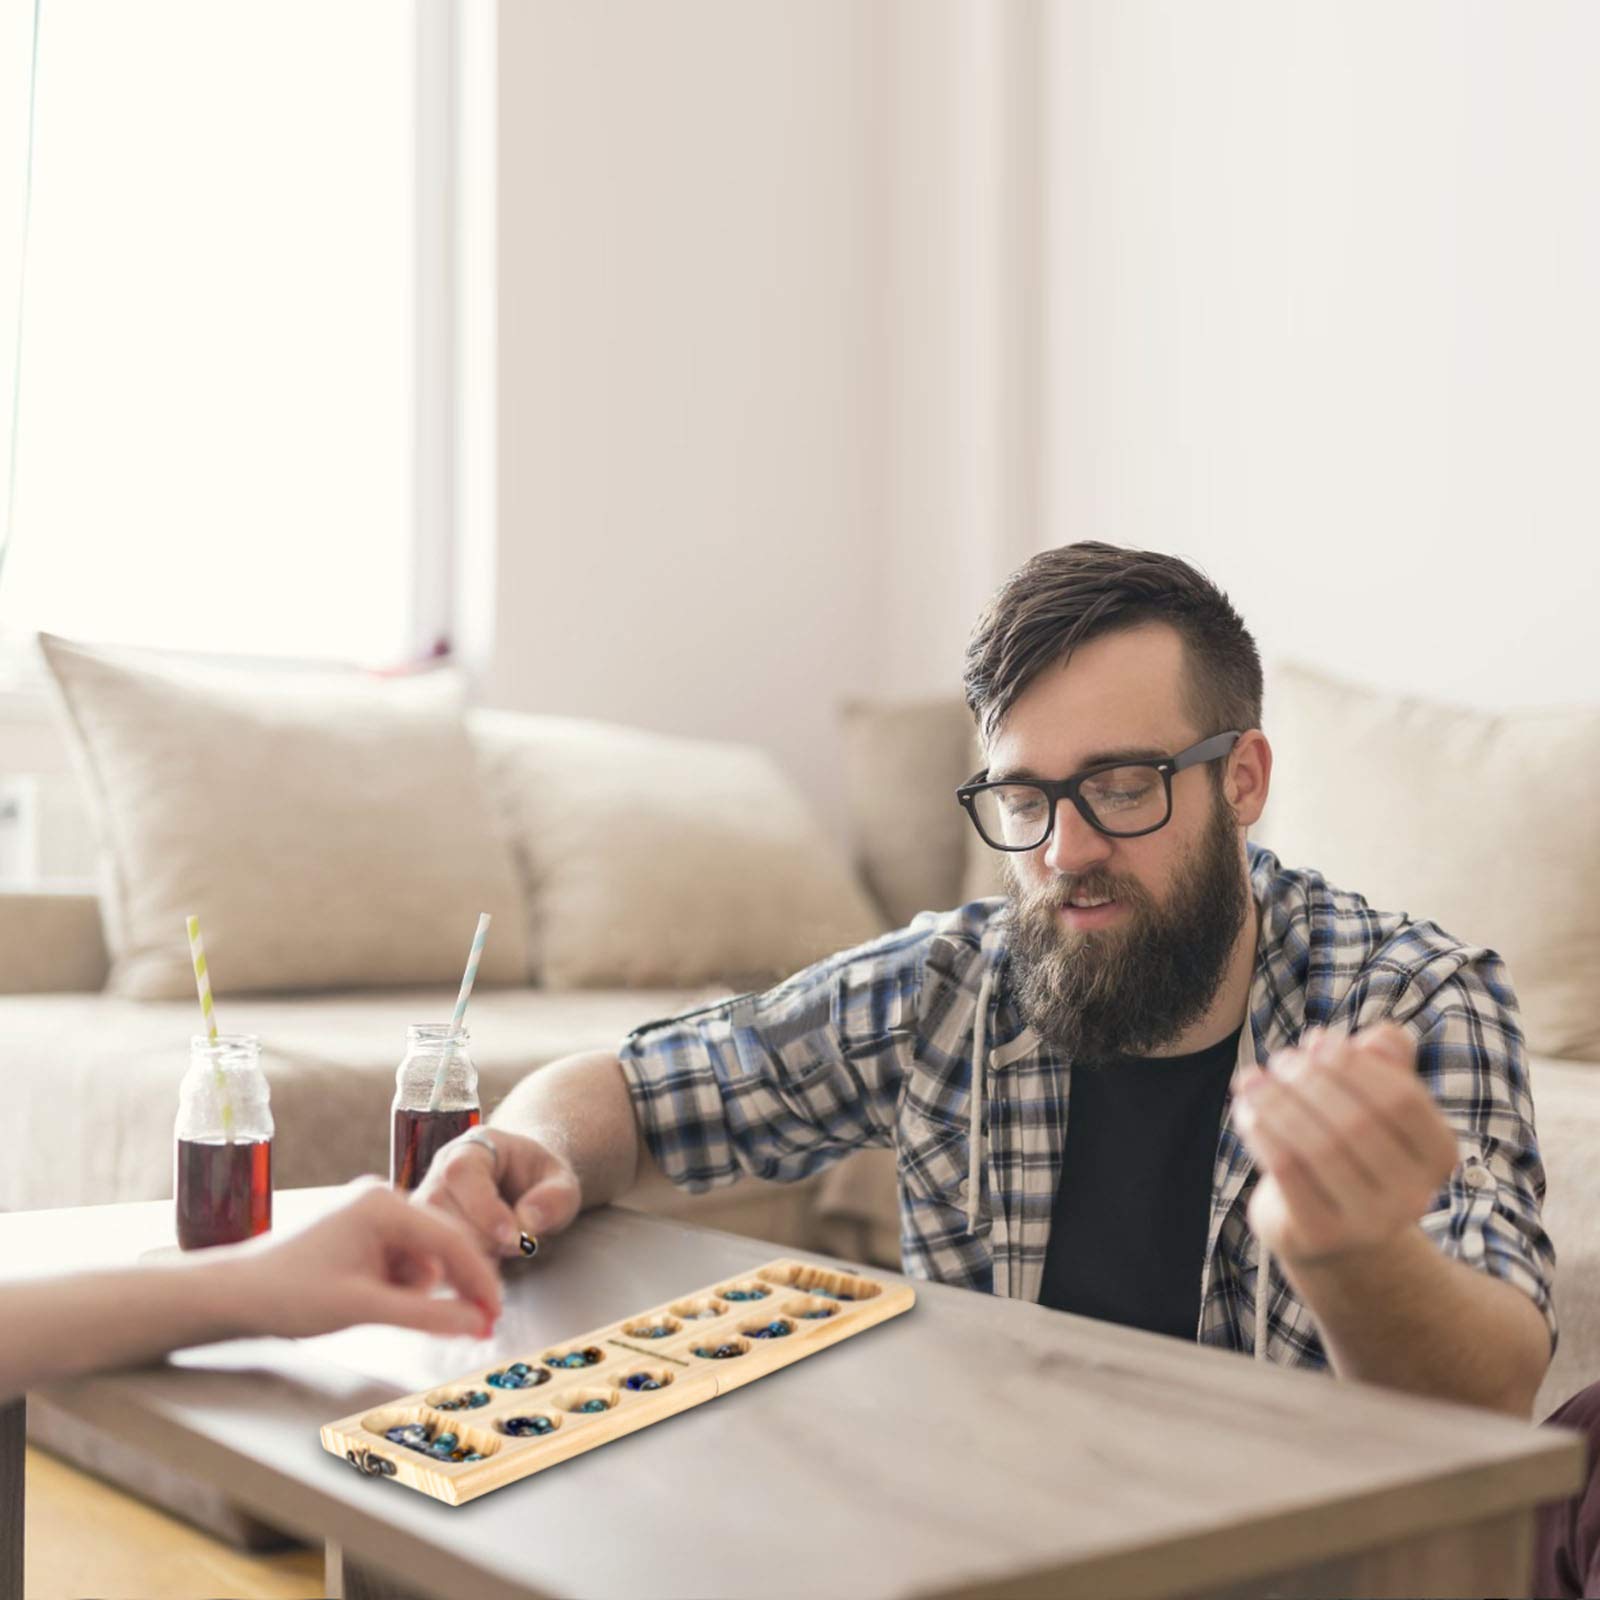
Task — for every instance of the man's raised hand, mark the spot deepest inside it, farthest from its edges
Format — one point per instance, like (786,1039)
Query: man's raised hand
(1352,1147)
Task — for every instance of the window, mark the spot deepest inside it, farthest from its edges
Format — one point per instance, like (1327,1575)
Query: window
(218,442)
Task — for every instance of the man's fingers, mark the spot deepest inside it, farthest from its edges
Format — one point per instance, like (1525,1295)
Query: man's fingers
(1401,1101)
(549,1204)
(1298,1150)
(462,1182)
(1370,1138)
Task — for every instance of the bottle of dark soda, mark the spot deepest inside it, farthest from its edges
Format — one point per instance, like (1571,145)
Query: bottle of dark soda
(435,1098)
(222,1157)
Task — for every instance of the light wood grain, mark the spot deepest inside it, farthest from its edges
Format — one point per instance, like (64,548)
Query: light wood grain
(85,1538)
(786,1288)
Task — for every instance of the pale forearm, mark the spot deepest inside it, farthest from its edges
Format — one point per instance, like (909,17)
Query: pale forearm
(53,1328)
(1413,1319)
(580,1108)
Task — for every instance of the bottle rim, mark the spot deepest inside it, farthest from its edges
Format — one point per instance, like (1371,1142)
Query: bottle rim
(225,1041)
(436,1033)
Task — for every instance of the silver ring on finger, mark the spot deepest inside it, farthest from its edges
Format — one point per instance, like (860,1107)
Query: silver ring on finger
(480,1136)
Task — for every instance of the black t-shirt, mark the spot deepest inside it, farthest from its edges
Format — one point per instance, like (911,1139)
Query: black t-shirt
(1128,1235)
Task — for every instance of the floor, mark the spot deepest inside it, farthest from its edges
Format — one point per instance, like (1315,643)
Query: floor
(85,1538)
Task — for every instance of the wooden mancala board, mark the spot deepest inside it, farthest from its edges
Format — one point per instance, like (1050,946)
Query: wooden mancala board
(596,1387)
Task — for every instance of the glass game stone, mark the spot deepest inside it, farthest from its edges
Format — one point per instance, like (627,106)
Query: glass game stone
(517,1376)
(576,1358)
(745,1294)
(464,1402)
(821,1311)
(527,1427)
(773,1330)
(414,1436)
(591,1406)
(659,1331)
(722,1352)
(640,1380)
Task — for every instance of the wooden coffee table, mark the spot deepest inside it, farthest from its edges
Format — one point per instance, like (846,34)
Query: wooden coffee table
(971,1446)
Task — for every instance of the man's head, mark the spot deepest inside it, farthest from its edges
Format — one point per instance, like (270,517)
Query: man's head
(1091,654)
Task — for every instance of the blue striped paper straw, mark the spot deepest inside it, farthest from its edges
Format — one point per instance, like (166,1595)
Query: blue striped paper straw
(468,978)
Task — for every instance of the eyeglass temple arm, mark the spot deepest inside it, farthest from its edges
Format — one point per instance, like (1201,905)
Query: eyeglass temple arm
(1219,744)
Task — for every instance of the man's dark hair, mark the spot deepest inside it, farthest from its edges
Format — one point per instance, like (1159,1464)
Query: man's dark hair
(1063,598)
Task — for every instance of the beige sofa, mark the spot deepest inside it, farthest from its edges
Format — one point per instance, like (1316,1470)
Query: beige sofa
(92,1076)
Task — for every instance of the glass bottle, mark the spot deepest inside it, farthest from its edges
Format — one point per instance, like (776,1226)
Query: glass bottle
(222,1155)
(423,1121)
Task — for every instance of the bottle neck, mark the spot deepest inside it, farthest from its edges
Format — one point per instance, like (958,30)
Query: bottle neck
(437,1072)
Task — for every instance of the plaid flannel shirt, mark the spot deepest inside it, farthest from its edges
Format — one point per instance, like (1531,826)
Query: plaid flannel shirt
(875,1046)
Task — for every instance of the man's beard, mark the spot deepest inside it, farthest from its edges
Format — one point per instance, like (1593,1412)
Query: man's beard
(1132,988)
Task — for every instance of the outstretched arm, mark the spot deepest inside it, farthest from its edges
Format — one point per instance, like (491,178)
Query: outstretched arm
(376,1259)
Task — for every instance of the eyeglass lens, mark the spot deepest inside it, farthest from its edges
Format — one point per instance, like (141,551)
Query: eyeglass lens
(1016,816)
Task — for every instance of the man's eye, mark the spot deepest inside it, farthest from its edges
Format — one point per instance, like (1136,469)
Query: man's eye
(1029,803)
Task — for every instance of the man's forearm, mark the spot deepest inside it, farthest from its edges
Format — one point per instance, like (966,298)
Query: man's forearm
(580,1108)
(1414,1319)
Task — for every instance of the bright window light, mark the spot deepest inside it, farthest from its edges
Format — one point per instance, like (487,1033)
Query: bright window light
(215,432)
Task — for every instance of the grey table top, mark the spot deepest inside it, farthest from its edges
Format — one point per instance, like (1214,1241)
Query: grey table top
(972,1441)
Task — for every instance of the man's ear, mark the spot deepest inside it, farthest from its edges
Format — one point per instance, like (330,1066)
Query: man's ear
(1248,777)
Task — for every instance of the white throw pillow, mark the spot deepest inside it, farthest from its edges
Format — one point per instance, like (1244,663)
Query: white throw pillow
(651,860)
(1484,823)
(328,829)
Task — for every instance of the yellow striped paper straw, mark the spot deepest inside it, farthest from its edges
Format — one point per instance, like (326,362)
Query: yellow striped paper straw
(468,978)
(202,980)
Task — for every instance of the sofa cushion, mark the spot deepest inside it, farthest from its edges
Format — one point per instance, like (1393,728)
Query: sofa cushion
(902,765)
(329,830)
(1482,822)
(656,862)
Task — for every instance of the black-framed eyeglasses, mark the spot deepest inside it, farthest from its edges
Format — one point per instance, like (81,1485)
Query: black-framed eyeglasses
(1121,798)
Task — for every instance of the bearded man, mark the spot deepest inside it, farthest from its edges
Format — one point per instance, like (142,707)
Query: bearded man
(1167,1081)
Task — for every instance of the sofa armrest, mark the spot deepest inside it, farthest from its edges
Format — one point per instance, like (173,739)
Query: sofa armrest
(51,943)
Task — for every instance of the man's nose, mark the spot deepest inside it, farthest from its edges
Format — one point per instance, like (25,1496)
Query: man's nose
(1074,847)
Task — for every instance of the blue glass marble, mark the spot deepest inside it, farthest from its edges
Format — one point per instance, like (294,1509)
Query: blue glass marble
(576,1358)
(773,1330)
(414,1436)
(512,1379)
(593,1405)
(525,1427)
(745,1294)
(659,1331)
(821,1311)
(640,1380)
(464,1402)
(723,1352)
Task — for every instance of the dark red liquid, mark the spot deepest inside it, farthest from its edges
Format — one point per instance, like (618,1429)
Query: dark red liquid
(224,1191)
(417,1137)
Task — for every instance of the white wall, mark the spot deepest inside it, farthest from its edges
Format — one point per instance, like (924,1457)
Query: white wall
(1321,315)
(691,367)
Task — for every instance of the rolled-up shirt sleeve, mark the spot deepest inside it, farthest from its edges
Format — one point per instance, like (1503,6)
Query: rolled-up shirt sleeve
(781,1084)
(1470,1053)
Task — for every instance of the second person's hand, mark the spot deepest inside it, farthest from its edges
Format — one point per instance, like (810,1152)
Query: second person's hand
(517,1186)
